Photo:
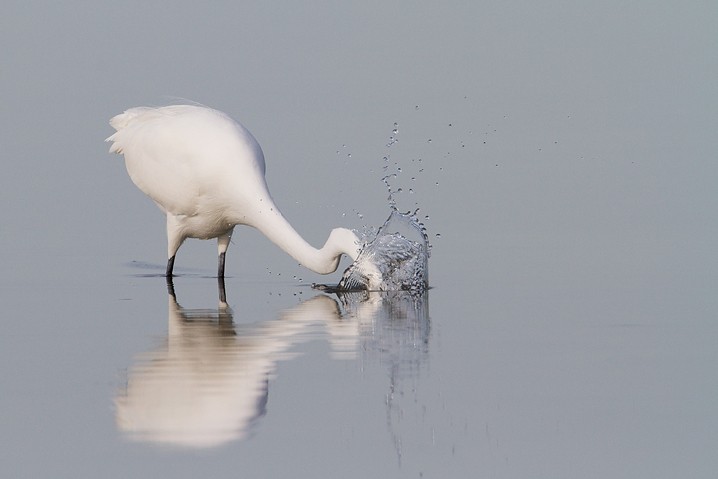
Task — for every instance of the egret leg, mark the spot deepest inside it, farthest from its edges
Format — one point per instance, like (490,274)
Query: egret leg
(222,245)
(170,266)
(175,238)
(220,287)
(220,268)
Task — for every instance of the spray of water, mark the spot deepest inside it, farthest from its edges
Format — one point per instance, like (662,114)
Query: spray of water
(397,258)
(394,257)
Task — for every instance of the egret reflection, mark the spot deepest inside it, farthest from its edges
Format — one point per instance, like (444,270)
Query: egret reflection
(208,383)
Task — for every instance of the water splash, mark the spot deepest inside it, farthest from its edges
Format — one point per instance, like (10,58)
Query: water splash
(395,259)
(395,256)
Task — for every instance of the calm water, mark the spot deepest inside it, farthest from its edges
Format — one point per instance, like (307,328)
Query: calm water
(561,156)
(114,377)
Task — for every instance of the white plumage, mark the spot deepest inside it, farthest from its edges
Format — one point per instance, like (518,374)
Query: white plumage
(206,173)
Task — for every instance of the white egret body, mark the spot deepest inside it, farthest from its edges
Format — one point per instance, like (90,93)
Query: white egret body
(206,173)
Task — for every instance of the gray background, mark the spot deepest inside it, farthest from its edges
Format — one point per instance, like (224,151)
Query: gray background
(563,151)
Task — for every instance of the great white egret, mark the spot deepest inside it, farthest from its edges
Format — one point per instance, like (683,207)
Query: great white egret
(205,171)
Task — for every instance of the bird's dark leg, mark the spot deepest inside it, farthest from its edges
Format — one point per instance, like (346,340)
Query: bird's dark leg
(222,293)
(222,245)
(170,266)
(220,268)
